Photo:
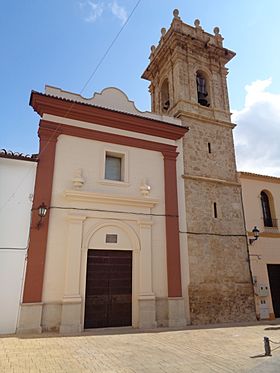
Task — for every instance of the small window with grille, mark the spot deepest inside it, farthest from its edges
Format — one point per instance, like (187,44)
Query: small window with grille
(111,238)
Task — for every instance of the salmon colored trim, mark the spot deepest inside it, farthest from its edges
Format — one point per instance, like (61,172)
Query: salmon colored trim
(38,237)
(106,137)
(44,104)
(267,178)
(172,226)
(48,133)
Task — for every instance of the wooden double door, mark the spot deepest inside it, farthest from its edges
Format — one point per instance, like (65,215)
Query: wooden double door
(108,300)
(274,283)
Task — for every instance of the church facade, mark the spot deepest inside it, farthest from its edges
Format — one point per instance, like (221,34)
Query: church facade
(144,223)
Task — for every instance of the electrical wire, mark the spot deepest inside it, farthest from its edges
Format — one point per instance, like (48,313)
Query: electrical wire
(112,211)
(110,46)
(92,75)
(215,234)
(276,343)
(144,214)
(14,248)
(70,108)
(16,189)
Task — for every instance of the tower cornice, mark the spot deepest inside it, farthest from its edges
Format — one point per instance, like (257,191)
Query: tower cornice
(185,116)
(183,39)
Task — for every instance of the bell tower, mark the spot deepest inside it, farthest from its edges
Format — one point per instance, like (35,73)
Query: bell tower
(188,81)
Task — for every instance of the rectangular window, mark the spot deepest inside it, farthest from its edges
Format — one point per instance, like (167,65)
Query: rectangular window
(113,167)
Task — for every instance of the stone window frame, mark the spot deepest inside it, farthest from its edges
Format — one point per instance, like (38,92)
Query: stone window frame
(118,153)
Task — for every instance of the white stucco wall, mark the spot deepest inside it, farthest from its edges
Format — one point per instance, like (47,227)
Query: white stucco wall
(16,191)
(73,153)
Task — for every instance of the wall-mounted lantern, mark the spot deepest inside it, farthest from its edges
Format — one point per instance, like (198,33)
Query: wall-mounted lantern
(256,233)
(42,212)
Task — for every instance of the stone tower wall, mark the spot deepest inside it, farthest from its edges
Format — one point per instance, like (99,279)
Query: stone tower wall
(220,285)
(220,288)
(220,162)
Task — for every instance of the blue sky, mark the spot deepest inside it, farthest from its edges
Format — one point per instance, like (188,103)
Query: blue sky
(60,42)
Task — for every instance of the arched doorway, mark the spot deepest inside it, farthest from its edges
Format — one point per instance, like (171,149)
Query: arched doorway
(111,280)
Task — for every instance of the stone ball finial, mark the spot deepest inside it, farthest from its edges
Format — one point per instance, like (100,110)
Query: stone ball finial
(216,30)
(163,31)
(197,23)
(176,13)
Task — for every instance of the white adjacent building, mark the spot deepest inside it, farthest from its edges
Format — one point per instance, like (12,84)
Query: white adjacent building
(17,175)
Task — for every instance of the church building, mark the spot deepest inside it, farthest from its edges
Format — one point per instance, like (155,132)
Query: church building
(144,225)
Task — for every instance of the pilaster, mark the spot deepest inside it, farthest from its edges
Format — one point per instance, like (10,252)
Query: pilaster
(147,305)
(38,235)
(72,300)
(30,314)
(172,225)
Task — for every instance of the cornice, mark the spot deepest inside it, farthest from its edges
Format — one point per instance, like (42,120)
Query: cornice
(47,127)
(175,39)
(49,134)
(252,176)
(205,119)
(75,218)
(179,113)
(44,104)
(82,196)
(211,180)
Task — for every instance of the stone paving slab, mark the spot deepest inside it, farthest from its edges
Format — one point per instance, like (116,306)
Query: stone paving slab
(192,350)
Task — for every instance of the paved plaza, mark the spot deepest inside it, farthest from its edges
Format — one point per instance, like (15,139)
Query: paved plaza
(220,349)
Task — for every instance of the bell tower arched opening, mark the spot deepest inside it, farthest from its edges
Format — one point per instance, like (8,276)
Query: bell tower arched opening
(164,96)
(202,87)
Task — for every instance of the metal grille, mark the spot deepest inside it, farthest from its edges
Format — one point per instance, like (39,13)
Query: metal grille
(111,238)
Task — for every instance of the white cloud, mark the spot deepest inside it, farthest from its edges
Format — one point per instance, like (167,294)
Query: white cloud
(257,136)
(118,11)
(95,9)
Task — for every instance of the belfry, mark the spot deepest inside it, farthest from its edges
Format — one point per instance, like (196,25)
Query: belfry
(188,81)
